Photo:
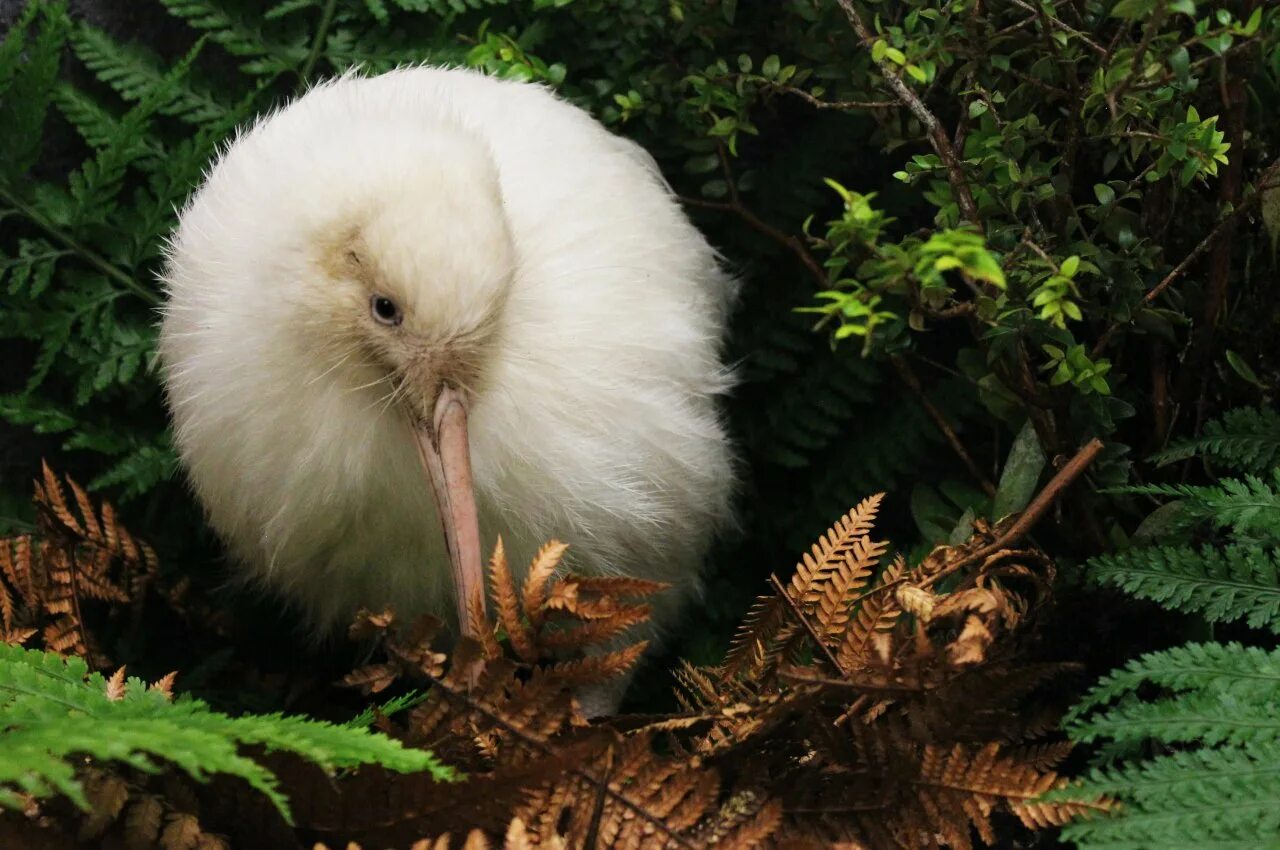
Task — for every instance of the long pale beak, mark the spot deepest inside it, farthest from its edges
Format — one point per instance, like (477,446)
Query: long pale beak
(443,448)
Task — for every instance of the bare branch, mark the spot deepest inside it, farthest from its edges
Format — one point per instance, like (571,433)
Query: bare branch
(937,136)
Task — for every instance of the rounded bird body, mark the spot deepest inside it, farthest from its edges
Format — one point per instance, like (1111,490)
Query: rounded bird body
(390,261)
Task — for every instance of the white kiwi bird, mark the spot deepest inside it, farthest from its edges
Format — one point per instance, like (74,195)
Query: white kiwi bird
(409,312)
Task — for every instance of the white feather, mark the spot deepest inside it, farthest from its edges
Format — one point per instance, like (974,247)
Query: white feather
(595,418)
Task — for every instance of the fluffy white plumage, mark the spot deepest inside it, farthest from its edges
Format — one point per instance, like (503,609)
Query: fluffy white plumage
(541,264)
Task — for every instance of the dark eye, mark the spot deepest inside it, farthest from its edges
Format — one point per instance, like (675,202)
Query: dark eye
(385,310)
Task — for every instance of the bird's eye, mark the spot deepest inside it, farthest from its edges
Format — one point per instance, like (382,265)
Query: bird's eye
(385,310)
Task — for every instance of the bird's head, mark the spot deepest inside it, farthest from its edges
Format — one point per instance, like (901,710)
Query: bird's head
(386,282)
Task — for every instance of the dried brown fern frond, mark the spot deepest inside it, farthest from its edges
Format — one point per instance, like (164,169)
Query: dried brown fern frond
(885,711)
(826,579)
(77,554)
(509,719)
(872,708)
(126,809)
(516,837)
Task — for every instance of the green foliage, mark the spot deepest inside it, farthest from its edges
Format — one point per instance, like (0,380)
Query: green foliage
(913,264)
(1016,230)
(1245,439)
(1006,258)
(1196,728)
(1219,583)
(53,710)
(1224,791)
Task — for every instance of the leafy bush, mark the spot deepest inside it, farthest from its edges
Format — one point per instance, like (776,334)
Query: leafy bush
(1025,228)
(1194,731)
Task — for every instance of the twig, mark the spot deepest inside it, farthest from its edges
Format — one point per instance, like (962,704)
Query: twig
(840,105)
(1222,227)
(790,242)
(1067,28)
(1027,520)
(937,136)
(597,812)
(804,621)
(1044,500)
(1154,22)
(792,675)
(92,258)
(1072,470)
(913,383)
(317,43)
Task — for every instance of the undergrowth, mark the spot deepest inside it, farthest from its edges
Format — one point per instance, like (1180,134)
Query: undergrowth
(1015,227)
(1192,733)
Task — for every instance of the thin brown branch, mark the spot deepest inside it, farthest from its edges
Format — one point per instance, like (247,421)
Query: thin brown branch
(1027,520)
(913,383)
(789,241)
(838,105)
(801,678)
(1067,28)
(1226,225)
(933,128)
(1154,22)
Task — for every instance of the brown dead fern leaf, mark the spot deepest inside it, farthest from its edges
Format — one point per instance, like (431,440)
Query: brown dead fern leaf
(516,837)
(870,709)
(511,722)
(826,579)
(905,721)
(78,554)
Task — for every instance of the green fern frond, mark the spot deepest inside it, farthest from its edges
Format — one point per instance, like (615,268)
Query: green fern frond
(1200,717)
(1220,584)
(139,470)
(446,7)
(134,74)
(31,271)
(1243,672)
(28,71)
(288,7)
(1248,505)
(241,37)
(1216,703)
(92,121)
(1246,439)
(1203,798)
(52,708)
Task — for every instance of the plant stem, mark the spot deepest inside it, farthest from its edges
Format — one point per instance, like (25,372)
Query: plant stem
(317,44)
(91,257)
(908,376)
(937,135)
(1265,182)
(818,642)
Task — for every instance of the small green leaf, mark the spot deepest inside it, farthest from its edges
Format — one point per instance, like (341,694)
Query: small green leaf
(1243,369)
(1021,472)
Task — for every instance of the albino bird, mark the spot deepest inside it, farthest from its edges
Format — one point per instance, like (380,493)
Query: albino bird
(407,313)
